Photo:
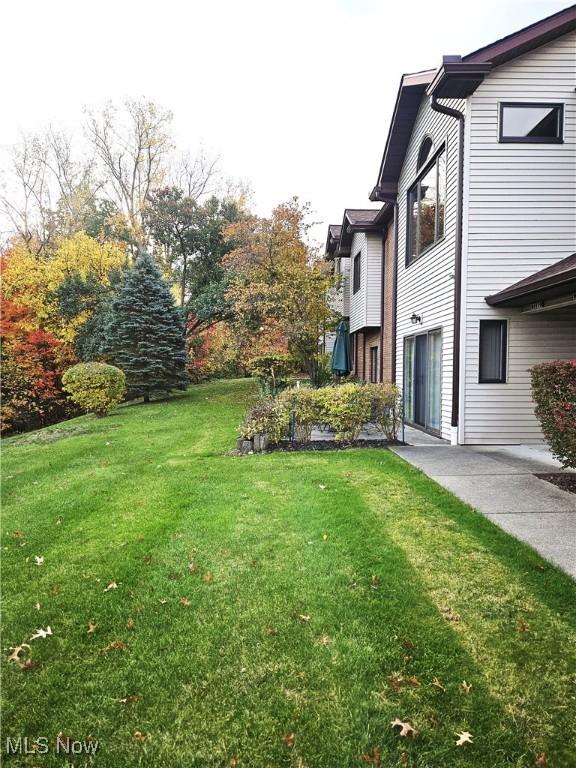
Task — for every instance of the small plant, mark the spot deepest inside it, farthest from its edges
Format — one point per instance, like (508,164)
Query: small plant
(272,371)
(307,407)
(386,408)
(95,387)
(347,408)
(268,417)
(554,392)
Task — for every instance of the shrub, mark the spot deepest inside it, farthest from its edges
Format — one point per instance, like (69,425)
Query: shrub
(386,409)
(95,387)
(308,407)
(272,371)
(554,392)
(347,408)
(267,416)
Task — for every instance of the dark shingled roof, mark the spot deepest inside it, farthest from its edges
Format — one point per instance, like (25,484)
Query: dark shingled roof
(546,283)
(358,217)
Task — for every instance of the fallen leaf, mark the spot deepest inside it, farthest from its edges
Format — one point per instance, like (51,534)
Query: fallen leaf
(130,624)
(16,651)
(110,586)
(324,639)
(466,686)
(37,606)
(43,633)
(91,628)
(27,665)
(147,559)
(140,538)
(450,615)
(270,630)
(39,559)
(464,738)
(405,727)
(59,520)
(322,487)
(408,644)
(18,535)
(116,645)
(542,760)
(163,601)
(55,589)
(376,582)
(129,699)
(233,761)
(139,736)
(207,578)
(304,617)
(523,627)
(413,680)
(396,681)
(289,740)
(438,684)
(373,758)
(403,758)
(185,602)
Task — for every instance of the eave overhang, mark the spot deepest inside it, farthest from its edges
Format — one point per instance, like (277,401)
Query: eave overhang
(557,280)
(457,79)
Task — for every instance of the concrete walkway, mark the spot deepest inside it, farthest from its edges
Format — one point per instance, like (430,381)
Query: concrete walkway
(500,482)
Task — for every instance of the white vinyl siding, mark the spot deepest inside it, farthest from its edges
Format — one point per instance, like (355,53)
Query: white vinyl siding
(520,217)
(426,287)
(365,303)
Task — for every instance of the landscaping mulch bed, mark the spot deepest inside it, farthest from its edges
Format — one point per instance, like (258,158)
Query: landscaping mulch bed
(331,445)
(564,480)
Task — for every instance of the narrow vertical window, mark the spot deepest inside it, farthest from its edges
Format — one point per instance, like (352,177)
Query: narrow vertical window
(373,365)
(356,278)
(426,207)
(493,343)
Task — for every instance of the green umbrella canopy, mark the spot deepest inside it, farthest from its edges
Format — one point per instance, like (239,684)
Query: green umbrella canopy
(341,364)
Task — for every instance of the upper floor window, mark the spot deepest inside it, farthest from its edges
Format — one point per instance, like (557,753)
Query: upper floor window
(426,207)
(531,123)
(426,149)
(356,276)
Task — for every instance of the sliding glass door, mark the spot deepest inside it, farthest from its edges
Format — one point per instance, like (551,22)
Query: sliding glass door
(422,380)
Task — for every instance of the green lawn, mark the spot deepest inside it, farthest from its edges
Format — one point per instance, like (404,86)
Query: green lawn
(323,596)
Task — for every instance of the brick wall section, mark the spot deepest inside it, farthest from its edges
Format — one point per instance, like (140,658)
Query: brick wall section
(358,341)
(388,308)
(371,339)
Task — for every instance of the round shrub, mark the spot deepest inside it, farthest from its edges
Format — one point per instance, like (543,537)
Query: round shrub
(554,393)
(267,416)
(95,387)
(348,407)
(308,409)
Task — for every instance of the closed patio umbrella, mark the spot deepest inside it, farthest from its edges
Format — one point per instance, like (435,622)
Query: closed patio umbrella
(341,364)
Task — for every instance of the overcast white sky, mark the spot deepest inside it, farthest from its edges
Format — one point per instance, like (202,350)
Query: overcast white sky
(295,97)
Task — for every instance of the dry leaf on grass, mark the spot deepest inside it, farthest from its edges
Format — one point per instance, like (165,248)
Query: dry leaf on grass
(289,739)
(59,520)
(130,624)
(541,760)
(192,567)
(271,631)
(464,738)
(139,736)
(233,761)
(373,758)
(207,578)
(185,602)
(438,684)
(112,585)
(116,645)
(91,628)
(43,633)
(523,626)
(129,699)
(16,651)
(162,601)
(324,640)
(405,727)
(147,559)
(376,582)
(467,687)
(39,559)
(18,535)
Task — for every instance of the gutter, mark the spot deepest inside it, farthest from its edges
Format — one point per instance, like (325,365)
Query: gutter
(457,115)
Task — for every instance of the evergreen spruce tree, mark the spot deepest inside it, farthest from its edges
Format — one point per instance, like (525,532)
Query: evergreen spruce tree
(146,332)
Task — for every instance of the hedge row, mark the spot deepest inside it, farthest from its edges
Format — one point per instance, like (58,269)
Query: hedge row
(345,408)
(554,392)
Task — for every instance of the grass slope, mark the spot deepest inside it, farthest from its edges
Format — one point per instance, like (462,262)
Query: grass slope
(330,593)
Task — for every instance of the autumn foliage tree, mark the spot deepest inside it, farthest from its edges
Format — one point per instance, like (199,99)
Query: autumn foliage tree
(278,286)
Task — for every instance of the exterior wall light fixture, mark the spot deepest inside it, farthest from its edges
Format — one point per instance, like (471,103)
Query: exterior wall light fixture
(416,319)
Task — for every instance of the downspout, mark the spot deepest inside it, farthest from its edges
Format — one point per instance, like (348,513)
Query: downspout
(382,293)
(455,113)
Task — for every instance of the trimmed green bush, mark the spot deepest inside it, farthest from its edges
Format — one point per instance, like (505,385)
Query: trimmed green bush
(554,392)
(347,408)
(308,407)
(272,371)
(386,409)
(267,416)
(95,387)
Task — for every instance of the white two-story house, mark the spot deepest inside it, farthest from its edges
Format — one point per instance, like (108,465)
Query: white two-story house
(479,178)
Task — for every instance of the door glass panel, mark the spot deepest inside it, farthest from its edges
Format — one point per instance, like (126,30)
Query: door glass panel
(420,379)
(409,379)
(434,379)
